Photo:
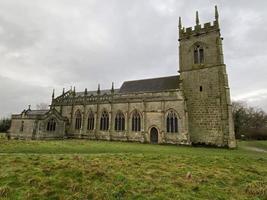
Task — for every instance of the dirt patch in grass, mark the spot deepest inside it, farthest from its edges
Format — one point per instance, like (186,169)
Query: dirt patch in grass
(257,188)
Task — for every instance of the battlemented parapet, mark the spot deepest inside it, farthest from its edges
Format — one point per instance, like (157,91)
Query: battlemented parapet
(198,29)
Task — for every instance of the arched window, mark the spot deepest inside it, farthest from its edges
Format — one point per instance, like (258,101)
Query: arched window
(136,121)
(91,121)
(51,125)
(172,122)
(119,122)
(22,126)
(78,120)
(104,121)
(198,55)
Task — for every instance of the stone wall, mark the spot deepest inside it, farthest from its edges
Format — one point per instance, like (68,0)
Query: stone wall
(152,108)
(42,132)
(205,107)
(28,128)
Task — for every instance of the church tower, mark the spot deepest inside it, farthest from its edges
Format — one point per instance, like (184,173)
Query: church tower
(205,84)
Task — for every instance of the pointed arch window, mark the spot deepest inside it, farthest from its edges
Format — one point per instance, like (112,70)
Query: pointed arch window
(104,121)
(198,55)
(51,125)
(78,120)
(172,122)
(119,122)
(22,126)
(91,121)
(136,121)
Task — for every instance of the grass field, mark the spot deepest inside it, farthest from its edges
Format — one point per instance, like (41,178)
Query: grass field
(82,169)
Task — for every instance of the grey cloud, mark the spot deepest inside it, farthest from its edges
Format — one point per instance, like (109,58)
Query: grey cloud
(17,95)
(55,43)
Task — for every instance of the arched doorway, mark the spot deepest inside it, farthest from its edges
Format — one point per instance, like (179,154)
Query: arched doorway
(154,135)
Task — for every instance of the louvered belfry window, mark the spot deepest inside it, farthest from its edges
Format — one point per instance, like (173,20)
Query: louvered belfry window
(198,55)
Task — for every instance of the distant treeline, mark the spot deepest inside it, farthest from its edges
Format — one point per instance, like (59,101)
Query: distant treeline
(250,122)
(5,125)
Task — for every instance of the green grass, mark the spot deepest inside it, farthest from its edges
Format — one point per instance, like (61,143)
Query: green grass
(261,144)
(82,169)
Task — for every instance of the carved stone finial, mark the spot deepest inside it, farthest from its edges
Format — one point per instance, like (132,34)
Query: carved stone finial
(63,91)
(112,88)
(74,91)
(197,18)
(53,94)
(98,89)
(85,92)
(29,107)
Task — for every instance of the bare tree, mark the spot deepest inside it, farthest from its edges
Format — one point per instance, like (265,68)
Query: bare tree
(249,121)
(42,106)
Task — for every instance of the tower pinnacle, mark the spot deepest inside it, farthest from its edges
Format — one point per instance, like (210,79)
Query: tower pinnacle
(53,94)
(216,13)
(180,23)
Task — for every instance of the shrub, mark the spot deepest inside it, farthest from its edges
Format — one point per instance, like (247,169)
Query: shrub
(5,124)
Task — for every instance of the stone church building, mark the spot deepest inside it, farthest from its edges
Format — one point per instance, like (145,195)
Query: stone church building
(193,107)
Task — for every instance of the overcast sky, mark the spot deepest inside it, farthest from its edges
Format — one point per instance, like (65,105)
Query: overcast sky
(46,44)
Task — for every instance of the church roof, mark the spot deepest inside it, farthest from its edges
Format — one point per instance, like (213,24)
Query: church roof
(144,85)
(150,85)
(36,112)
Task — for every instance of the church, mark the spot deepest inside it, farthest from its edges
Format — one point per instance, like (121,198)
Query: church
(189,108)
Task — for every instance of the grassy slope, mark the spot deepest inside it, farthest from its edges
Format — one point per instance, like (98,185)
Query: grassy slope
(80,169)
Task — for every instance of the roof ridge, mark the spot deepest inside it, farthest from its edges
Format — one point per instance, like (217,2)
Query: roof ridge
(152,84)
(39,110)
(151,78)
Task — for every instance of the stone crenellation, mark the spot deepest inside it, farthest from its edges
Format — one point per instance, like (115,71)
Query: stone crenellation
(198,29)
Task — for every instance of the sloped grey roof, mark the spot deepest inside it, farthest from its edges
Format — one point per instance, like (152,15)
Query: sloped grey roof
(36,112)
(150,85)
(144,85)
